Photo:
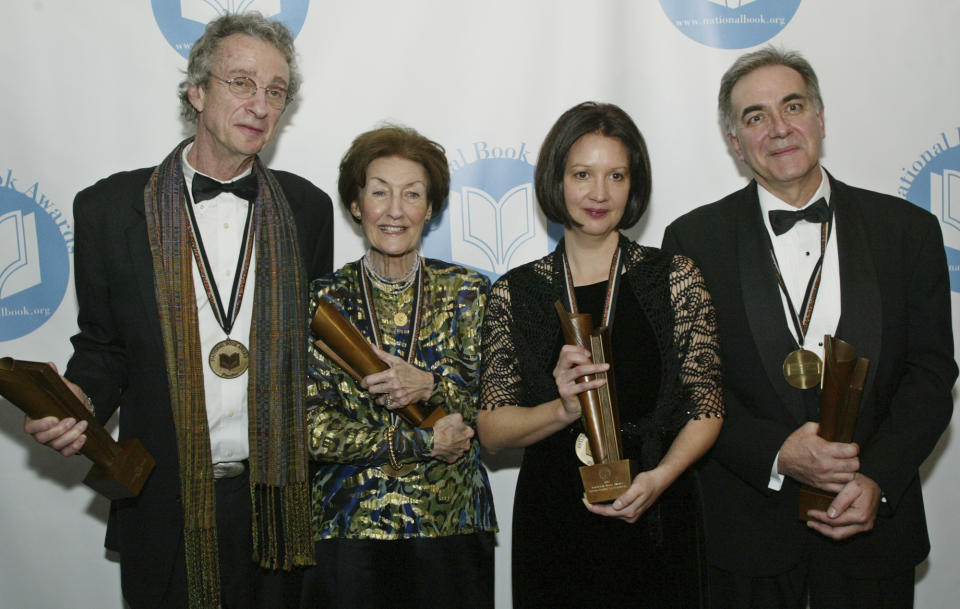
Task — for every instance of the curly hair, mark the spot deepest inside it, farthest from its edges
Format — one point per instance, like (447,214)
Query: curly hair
(204,53)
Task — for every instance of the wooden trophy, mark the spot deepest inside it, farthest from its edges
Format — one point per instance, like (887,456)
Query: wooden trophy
(611,474)
(119,470)
(844,375)
(343,343)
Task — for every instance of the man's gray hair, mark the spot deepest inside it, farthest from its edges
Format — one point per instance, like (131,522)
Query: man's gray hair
(203,54)
(767,56)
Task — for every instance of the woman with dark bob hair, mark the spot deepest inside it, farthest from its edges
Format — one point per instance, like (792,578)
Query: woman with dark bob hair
(402,515)
(593,176)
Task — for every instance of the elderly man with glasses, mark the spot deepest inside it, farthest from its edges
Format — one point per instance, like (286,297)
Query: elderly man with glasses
(191,281)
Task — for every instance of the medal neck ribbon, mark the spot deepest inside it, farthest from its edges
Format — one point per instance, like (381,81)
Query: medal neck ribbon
(225,317)
(613,286)
(800,326)
(367,294)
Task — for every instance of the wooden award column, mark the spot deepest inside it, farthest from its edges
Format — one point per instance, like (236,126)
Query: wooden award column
(343,343)
(611,474)
(844,375)
(119,470)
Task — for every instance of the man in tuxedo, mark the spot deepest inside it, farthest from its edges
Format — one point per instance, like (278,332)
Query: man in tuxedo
(191,281)
(794,256)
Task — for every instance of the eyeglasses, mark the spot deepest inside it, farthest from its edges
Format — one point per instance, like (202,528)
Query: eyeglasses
(245,88)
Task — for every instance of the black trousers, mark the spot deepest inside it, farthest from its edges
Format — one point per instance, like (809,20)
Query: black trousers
(825,587)
(243,584)
(419,573)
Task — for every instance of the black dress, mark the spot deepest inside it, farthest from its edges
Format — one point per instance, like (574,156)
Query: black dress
(667,371)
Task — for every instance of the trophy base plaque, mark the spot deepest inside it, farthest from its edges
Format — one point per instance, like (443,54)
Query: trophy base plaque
(604,482)
(125,475)
(119,470)
(813,499)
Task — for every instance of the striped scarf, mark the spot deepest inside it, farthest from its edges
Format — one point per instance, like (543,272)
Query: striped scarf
(279,484)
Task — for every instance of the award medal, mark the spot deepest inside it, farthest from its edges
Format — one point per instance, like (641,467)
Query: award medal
(582,448)
(803,368)
(582,445)
(368,304)
(228,358)
(397,472)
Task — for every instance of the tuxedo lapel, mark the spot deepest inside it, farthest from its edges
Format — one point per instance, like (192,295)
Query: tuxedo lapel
(859,288)
(761,299)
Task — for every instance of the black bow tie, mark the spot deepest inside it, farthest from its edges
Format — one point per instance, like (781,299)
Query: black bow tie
(207,188)
(782,221)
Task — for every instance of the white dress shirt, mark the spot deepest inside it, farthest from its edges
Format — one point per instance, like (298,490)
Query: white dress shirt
(221,222)
(797,252)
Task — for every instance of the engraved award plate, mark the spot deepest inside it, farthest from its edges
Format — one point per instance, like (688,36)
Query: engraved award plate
(604,482)
(844,375)
(119,470)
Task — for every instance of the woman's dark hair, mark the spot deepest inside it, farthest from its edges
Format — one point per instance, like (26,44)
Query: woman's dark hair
(394,140)
(603,119)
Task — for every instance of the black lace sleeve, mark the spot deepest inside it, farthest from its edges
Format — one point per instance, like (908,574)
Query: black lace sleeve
(500,383)
(696,340)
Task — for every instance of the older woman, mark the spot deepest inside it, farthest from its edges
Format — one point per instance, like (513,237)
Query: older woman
(403,516)
(593,176)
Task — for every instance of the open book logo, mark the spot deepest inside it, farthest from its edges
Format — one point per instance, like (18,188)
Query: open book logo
(229,361)
(205,11)
(36,240)
(932,182)
(183,22)
(19,253)
(492,230)
(945,204)
(492,222)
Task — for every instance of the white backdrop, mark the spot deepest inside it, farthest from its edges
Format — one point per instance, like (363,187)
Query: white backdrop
(90,90)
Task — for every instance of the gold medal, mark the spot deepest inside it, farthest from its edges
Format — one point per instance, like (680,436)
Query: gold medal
(229,359)
(582,448)
(802,369)
(397,472)
(400,319)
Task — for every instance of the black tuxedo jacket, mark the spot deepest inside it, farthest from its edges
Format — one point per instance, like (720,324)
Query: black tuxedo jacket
(895,300)
(118,356)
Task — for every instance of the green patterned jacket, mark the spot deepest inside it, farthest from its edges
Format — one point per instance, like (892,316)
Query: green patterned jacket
(348,431)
